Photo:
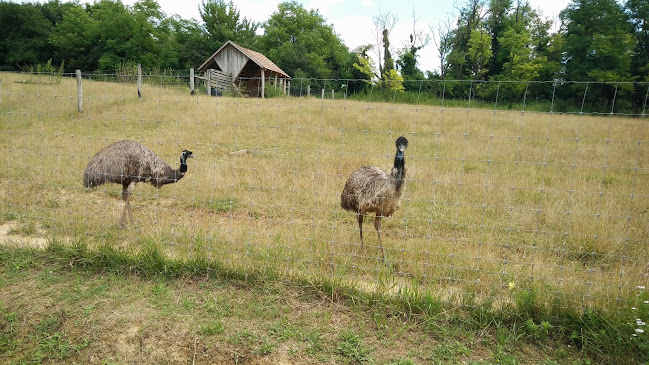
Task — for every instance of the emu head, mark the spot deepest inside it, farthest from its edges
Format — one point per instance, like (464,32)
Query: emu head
(402,143)
(185,155)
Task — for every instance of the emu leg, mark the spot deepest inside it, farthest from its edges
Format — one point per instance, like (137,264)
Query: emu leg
(360,227)
(377,225)
(125,196)
(127,190)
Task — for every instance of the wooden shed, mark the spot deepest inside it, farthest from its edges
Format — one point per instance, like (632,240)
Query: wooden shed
(244,70)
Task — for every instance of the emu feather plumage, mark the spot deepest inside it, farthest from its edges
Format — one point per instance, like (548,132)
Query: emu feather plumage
(370,189)
(127,163)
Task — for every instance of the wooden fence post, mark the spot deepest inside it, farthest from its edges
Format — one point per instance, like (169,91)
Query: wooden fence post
(288,88)
(209,82)
(139,81)
(263,83)
(308,90)
(79,91)
(332,94)
(191,80)
(322,94)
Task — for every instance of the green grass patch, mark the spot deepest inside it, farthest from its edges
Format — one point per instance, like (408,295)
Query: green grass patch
(352,348)
(214,205)
(526,319)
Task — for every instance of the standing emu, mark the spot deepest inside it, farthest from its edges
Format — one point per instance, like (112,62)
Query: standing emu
(127,163)
(369,189)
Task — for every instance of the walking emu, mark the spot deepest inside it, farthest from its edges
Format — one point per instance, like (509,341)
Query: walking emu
(127,163)
(369,189)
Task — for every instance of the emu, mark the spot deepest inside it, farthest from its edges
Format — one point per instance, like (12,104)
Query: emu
(369,189)
(127,163)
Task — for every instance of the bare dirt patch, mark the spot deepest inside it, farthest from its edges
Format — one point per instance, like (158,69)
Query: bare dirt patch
(10,236)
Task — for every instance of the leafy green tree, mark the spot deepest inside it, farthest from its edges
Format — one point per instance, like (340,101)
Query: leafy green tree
(638,11)
(223,22)
(363,70)
(155,36)
(479,53)
(54,10)
(469,20)
(302,44)
(366,68)
(598,41)
(392,81)
(188,41)
(520,65)
(115,35)
(407,63)
(598,47)
(497,23)
(23,39)
(74,38)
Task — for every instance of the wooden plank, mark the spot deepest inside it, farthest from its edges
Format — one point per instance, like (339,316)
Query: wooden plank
(217,72)
(221,80)
(220,76)
(237,89)
(231,60)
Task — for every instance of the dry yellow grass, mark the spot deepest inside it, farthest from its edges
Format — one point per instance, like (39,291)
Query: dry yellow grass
(558,203)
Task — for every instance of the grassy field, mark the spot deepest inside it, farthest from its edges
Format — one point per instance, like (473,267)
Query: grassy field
(60,306)
(499,205)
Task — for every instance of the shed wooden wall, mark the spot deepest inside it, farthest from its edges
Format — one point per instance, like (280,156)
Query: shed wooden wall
(231,61)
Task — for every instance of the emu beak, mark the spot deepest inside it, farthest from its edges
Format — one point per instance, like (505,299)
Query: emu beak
(402,147)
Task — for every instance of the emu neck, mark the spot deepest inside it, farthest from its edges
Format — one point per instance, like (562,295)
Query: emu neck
(398,173)
(183,166)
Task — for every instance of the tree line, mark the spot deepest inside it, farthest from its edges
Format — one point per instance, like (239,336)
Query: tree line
(599,41)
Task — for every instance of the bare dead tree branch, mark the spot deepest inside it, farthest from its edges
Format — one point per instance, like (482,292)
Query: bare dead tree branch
(385,21)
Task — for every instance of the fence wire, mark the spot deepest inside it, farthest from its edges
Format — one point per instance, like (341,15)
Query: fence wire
(503,193)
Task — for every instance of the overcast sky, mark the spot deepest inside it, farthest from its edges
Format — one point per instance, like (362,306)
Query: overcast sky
(352,19)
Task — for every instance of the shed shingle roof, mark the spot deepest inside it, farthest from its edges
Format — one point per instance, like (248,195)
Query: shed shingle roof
(256,57)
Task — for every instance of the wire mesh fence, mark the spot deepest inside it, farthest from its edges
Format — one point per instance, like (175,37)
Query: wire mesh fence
(502,193)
